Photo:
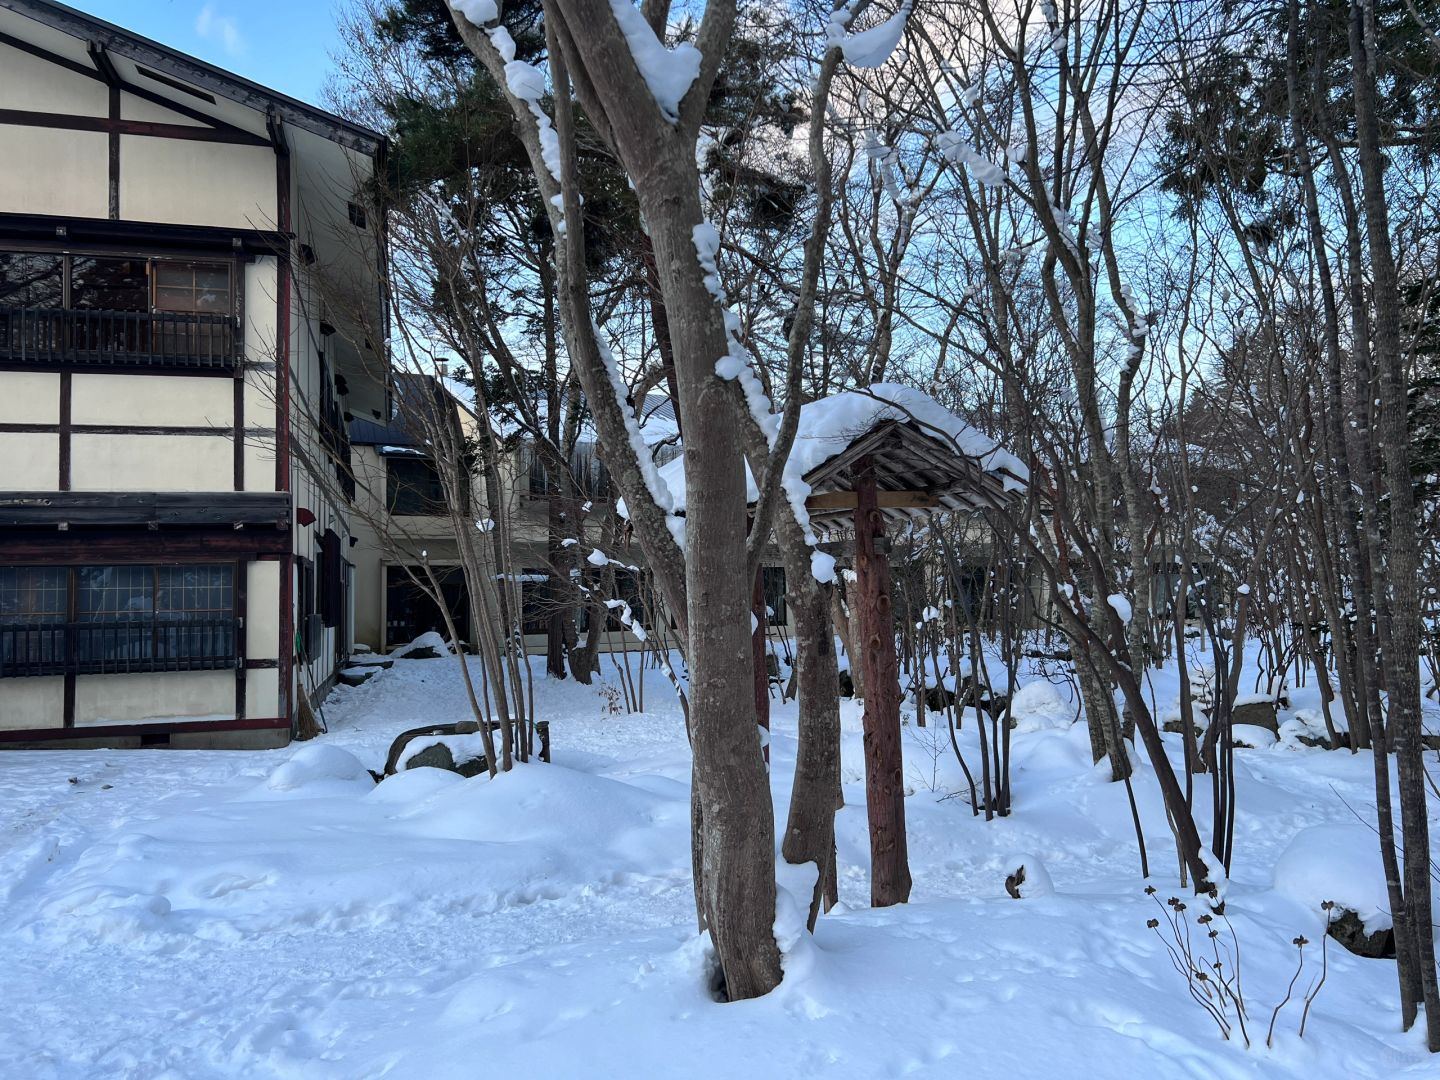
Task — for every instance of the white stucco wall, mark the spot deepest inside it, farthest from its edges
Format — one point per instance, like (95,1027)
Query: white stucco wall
(262,607)
(262,693)
(196,183)
(29,462)
(133,699)
(54,172)
(152,400)
(152,463)
(29,397)
(32,703)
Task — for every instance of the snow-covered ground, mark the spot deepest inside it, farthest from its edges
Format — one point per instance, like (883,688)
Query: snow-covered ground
(185,914)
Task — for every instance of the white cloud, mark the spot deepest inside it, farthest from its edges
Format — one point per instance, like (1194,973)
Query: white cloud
(213,26)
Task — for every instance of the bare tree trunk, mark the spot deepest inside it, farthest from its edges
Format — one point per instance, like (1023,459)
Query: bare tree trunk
(1400,573)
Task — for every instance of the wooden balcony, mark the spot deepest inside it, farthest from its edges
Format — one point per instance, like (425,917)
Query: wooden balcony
(48,337)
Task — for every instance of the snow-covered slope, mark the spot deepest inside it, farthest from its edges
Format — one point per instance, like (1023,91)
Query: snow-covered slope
(190,914)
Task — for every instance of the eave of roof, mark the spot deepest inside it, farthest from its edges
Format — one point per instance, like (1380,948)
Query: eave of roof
(189,69)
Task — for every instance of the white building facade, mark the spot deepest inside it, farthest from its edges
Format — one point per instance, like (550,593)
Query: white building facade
(175,388)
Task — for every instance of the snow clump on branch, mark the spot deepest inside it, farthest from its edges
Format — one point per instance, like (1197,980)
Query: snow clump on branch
(668,73)
(868,48)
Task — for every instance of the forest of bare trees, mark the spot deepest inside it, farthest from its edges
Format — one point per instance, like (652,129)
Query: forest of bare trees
(1180,259)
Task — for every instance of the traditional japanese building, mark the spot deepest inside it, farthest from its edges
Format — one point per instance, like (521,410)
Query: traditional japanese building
(175,389)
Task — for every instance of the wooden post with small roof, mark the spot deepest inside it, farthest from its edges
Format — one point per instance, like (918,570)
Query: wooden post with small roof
(896,471)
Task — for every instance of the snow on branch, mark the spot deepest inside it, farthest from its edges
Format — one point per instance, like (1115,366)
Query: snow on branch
(957,151)
(655,483)
(668,73)
(867,48)
(479,12)
(525,81)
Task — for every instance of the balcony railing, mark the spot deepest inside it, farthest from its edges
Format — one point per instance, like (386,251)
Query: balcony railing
(117,338)
(122,646)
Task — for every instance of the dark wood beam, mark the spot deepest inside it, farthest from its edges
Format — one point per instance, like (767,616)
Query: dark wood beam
(103,64)
(145,508)
(92,732)
(119,544)
(75,122)
(885,500)
(53,232)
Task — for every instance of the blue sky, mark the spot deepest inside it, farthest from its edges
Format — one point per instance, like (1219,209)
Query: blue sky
(283,44)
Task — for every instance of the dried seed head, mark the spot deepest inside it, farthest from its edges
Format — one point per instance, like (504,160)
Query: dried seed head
(1149,890)
(1153,923)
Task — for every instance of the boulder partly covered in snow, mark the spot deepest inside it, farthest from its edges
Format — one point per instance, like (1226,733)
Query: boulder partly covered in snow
(1027,877)
(458,747)
(1340,864)
(428,646)
(1038,706)
(462,754)
(1255,710)
(1252,736)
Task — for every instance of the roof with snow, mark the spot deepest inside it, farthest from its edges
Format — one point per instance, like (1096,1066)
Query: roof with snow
(925,456)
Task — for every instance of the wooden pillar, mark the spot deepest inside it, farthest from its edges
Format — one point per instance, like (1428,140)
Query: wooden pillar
(757,653)
(884,779)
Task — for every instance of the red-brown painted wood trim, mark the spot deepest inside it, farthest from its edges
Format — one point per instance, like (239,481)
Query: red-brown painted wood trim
(884,772)
(283,287)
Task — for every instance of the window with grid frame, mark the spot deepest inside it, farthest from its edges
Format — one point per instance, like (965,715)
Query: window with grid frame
(34,603)
(197,287)
(125,618)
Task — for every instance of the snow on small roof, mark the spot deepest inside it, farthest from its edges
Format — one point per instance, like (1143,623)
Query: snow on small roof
(828,427)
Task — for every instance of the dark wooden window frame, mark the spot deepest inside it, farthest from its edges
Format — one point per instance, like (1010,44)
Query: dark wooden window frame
(71,337)
(78,644)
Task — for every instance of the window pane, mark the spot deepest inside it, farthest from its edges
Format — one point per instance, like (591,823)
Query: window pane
(534,612)
(32,593)
(32,598)
(194,613)
(186,286)
(109,284)
(773,582)
(414,487)
(117,602)
(106,592)
(31,280)
(200,591)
